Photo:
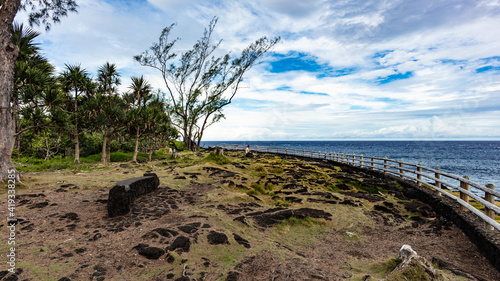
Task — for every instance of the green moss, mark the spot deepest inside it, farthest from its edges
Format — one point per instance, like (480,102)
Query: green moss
(414,271)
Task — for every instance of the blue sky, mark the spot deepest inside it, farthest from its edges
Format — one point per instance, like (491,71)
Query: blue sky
(361,69)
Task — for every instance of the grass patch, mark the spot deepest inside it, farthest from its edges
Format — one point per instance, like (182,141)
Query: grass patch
(283,203)
(307,222)
(276,170)
(259,187)
(217,159)
(332,188)
(413,272)
(48,273)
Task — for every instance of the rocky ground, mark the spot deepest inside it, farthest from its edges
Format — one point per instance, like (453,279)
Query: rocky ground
(267,218)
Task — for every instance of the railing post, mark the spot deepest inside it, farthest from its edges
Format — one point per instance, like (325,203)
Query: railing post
(303,153)
(437,175)
(490,198)
(419,176)
(372,163)
(401,172)
(464,196)
(361,161)
(385,165)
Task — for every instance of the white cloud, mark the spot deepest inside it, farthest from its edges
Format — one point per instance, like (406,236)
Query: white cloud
(440,44)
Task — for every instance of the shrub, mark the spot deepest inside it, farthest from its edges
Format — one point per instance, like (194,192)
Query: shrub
(121,156)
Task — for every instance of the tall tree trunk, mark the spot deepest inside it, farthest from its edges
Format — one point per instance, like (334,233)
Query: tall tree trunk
(8,56)
(47,147)
(136,150)
(108,149)
(77,146)
(150,153)
(104,143)
(77,143)
(17,126)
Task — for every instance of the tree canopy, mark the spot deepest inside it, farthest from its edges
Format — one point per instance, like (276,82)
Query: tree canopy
(198,82)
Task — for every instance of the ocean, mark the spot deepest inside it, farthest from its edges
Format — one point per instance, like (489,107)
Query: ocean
(479,160)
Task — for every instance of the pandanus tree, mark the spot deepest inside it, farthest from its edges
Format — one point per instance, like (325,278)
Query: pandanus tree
(76,83)
(138,96)
(36,98)
(110,106)
(41,12)
(200,83)
(158,130)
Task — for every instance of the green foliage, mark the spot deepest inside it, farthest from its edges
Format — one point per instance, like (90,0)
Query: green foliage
(199,83)
(178,145)
(216,158)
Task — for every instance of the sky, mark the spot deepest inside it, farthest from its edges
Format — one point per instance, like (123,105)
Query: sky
(343,70)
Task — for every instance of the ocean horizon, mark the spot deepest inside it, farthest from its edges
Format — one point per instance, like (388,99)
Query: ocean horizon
(477,159)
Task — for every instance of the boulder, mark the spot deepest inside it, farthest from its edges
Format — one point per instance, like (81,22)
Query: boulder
(412,267)
(123,194)
(180,242)
(217,238)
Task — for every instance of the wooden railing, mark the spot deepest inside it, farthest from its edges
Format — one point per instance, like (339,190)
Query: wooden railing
(432,178)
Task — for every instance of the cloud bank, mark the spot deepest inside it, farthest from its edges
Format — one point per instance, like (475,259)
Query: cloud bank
(343,70)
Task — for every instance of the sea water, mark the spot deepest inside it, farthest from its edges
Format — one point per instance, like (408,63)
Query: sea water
(479,160)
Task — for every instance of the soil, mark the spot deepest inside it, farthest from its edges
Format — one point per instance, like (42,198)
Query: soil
(201,226)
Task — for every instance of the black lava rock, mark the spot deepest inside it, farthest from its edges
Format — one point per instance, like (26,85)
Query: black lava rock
(217,238)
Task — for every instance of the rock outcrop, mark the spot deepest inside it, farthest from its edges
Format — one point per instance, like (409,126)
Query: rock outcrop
(412,267)
(123,194)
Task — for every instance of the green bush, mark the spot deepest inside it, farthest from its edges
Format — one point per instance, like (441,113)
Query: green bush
(121,156)
(91,158)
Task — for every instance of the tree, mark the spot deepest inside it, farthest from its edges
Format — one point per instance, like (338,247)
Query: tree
(199,83)
(141,92)
(43,12)
(110,106)
(158,130)
(76,79)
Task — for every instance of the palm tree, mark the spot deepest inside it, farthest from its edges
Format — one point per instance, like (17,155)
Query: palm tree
(140,93)
(75,79)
